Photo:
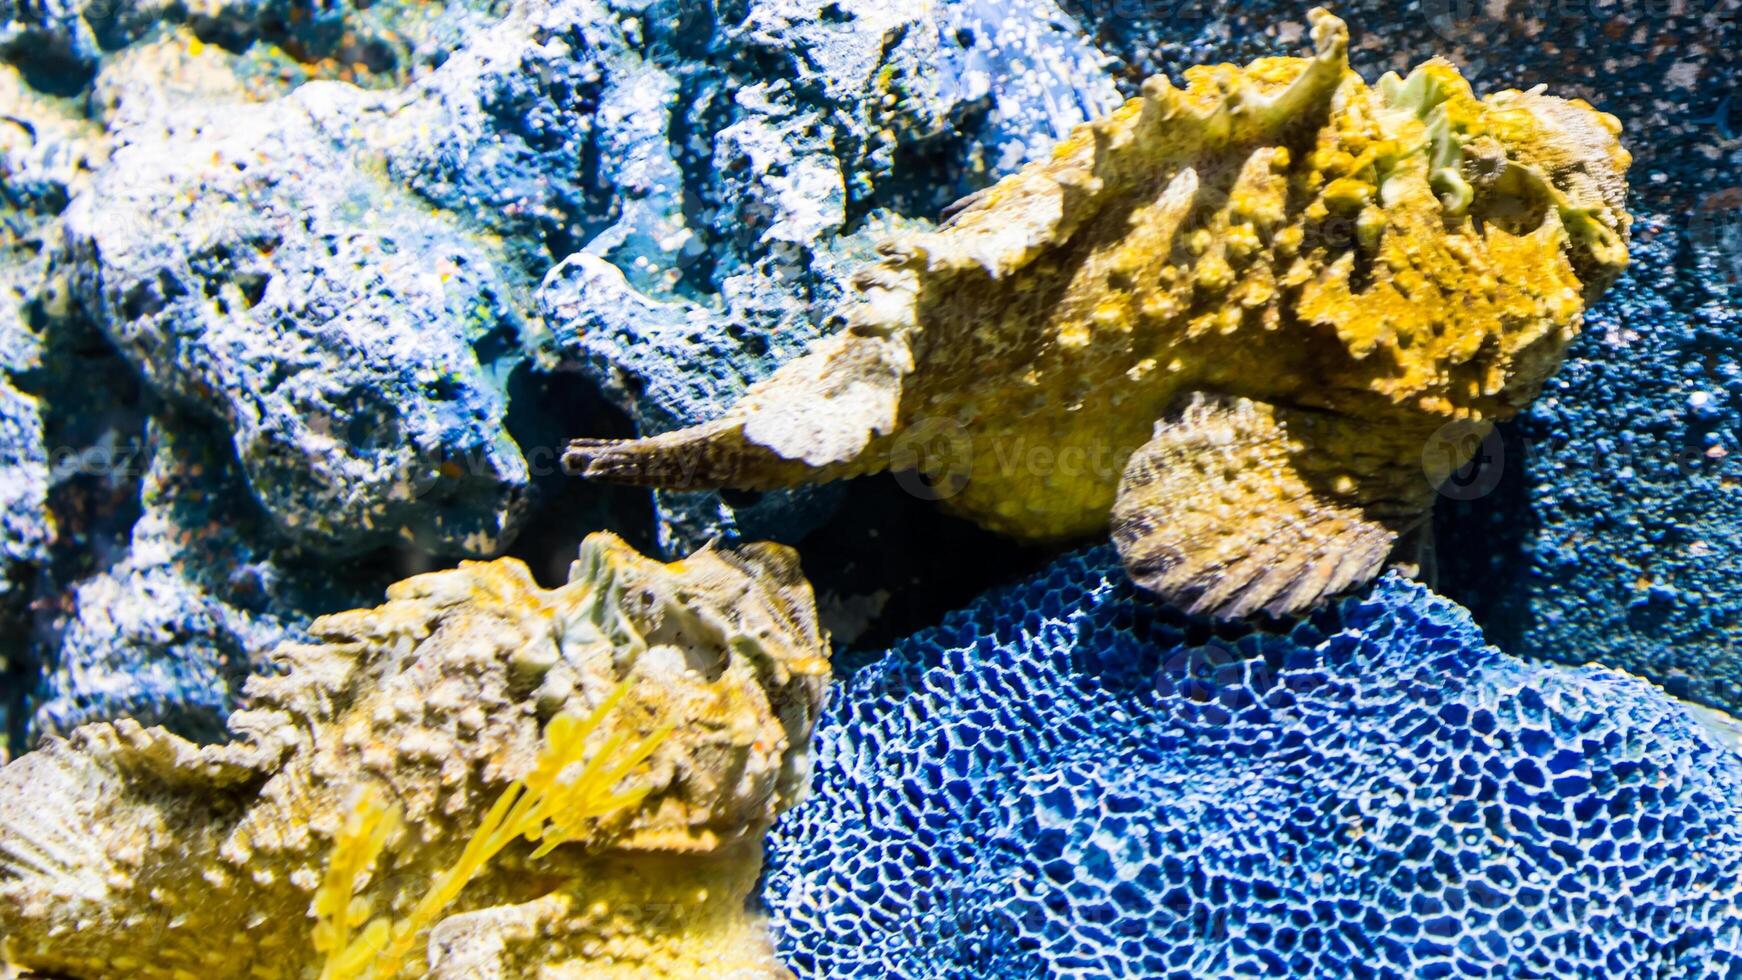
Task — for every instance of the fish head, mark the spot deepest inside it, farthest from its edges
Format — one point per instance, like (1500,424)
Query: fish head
(1520,160)
(1570,153)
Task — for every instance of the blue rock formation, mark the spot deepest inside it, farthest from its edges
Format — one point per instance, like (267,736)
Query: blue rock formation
(254,270)
(504,133)
(167,633)
(40,162)
(24,473)
(62,45)
(1068,780)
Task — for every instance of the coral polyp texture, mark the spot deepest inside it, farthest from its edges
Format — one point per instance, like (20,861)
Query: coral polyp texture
(1232,316)
(1068,780)
(480,778)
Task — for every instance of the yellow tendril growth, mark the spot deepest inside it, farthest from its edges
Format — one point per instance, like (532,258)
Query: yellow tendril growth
(551,805)
(336,909)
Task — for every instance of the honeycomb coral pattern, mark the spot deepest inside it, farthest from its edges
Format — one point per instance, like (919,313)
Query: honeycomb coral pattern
(1069,780)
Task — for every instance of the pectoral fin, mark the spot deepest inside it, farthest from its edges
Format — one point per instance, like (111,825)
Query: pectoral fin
(810,421)
(1237,506)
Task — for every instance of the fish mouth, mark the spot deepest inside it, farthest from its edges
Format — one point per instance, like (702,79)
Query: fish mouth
(1591,167)
(1516,158)
(1574,157)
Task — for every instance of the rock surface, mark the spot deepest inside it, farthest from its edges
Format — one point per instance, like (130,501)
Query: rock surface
(169,633)
(249,268)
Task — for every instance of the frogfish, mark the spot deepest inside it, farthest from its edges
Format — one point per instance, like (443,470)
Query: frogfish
(1232,321)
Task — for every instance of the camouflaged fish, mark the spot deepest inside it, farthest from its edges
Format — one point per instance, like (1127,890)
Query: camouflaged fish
(129,852)
(1231,317)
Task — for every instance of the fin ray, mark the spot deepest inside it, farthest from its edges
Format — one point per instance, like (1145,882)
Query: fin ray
(1231,508)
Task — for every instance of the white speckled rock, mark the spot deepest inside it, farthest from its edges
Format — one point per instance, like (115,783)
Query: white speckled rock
(251,268)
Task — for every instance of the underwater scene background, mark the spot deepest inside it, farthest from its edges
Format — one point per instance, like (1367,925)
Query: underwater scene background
(304,301)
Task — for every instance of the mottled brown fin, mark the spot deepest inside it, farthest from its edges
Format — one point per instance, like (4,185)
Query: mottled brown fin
(1236,506)
(810,421)
(948,215)
(699,457)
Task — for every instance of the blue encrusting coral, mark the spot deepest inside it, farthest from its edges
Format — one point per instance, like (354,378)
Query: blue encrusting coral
(1068,780)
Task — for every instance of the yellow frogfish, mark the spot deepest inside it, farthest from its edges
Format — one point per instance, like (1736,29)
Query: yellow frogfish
(1227,319)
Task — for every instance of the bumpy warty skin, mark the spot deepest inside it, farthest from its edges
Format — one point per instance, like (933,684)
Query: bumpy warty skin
(1069,780)
(1616,522)
(127,851)
(1371,261)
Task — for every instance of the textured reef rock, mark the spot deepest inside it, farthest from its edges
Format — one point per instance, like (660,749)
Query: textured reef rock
(168,634)
(45,156)
(250,267)
(63,44)
(24,531)
(341,282)
(43,160)
(23,489)
(332,328)
(814,129)
(1333,272)
(1066,779)
(129,851)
